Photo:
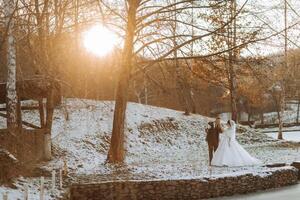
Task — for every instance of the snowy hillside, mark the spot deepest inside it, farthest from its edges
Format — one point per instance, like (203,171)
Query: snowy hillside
(160,143)
(154,135)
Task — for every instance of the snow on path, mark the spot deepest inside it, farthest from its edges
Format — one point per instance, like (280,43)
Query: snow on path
(289,192)
(293,136)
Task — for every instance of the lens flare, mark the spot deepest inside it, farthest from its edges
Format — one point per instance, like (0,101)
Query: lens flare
(99,40)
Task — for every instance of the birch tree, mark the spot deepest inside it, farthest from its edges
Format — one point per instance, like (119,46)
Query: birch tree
(12,100)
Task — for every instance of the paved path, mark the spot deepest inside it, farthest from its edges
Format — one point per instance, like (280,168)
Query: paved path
(287,193)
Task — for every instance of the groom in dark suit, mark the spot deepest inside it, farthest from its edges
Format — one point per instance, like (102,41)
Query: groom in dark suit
(212,137)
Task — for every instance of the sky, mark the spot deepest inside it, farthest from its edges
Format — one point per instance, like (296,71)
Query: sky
(272,13)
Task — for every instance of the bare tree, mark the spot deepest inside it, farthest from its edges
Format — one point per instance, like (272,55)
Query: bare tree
(231,61)
(12,99)
(146,30)
(116,151)
(183,89)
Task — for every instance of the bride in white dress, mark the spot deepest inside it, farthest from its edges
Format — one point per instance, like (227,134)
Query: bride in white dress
(230,153)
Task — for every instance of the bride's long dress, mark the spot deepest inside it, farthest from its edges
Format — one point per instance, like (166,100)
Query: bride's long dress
(231,153)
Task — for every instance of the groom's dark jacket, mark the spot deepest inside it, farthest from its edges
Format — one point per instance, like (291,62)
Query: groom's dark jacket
(212,136)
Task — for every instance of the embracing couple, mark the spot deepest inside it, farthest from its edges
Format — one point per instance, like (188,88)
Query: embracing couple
(224,150)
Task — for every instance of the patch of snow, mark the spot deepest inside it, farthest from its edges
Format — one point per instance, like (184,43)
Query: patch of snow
(288,136)
(32,185)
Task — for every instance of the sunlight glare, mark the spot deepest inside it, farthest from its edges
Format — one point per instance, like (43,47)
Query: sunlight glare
(99,40)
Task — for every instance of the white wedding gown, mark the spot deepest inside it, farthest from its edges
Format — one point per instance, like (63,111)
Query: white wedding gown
(230,152)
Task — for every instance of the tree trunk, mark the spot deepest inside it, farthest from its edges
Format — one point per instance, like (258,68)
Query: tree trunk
(187,92)
(262,118)
(49,120)
(116,151)
(279,136)
(232,58)
(145,91)
(183,90)
(191,100)
(233,94)
(187,98)
(137,92)
(249,117)
(298,110)
(12,100)
(42,30)
(280,114)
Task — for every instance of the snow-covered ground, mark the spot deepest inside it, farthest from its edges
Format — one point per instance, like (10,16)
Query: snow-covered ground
(160,143)
(289,192)
(288,136)
(289,116)
(32,186)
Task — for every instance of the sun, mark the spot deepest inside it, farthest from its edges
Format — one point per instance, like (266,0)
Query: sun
(99,40)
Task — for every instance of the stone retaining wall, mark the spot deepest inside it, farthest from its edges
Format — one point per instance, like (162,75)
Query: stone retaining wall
(184,189)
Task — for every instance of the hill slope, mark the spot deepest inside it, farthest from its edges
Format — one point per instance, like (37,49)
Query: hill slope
(153,135)
(160,143)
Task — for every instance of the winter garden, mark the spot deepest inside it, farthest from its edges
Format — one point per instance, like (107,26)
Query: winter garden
(141,99)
